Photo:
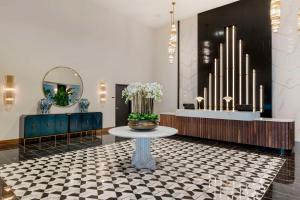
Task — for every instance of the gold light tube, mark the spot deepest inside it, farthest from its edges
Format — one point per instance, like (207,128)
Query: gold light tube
(221,76)
(254,90)
(216,86)
(233,66)
(210,92)
(227,66)
(205,98)
(240,71)
(261,98)
(247,79)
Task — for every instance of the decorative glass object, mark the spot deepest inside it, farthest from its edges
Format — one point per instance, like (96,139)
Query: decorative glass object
(199,100)
(227,99)
(45,105)
(84,105)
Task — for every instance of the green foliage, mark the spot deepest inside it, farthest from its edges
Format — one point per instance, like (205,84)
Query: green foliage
(142,117)
(61,97)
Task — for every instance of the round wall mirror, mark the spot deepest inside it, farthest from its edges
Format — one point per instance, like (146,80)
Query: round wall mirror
(63,86)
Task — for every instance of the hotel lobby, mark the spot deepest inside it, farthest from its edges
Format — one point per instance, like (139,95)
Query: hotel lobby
(143,99)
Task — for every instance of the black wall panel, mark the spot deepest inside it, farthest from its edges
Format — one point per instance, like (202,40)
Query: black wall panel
(252,21)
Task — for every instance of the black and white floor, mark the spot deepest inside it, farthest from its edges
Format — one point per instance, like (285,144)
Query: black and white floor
(186,170)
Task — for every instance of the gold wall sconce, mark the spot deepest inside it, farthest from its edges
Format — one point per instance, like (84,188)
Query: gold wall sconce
(9,90)
(102,92)
(299,21)
(275,13)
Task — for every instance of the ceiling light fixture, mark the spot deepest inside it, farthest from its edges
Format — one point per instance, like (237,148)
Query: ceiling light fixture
(275,15)
(173,35)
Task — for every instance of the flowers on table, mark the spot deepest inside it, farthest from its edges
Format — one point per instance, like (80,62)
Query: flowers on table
(147,90)
(142,97)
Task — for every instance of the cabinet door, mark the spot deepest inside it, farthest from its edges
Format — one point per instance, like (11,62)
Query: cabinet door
(47,125)
(87,121)
(97,121)
(75,123)
(32,126)
(61,124)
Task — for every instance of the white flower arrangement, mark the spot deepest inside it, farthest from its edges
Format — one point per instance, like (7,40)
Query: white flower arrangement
(148,90)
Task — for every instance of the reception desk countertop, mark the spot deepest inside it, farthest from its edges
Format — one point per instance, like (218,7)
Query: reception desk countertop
(229,115)
(236,115)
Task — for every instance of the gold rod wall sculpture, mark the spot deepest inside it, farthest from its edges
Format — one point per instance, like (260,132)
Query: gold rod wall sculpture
(243,75)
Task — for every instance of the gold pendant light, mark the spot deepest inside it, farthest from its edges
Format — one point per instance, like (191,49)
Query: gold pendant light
(173,36)
(275,15)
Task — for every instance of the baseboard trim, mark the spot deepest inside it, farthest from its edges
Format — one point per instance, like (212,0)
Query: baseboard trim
(104,131)
(8,143)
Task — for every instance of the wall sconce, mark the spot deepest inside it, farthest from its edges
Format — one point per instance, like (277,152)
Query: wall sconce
(102,92)
(9,90)
(275,15)
(299,21)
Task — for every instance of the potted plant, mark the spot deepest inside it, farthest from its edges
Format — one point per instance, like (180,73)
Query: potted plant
(142,97)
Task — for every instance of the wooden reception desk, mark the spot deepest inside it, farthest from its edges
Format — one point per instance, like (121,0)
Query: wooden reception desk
(243,128)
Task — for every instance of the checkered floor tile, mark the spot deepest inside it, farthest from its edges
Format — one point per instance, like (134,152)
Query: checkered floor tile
(185,171)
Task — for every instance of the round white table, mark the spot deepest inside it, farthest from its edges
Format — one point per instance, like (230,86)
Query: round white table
(142,158)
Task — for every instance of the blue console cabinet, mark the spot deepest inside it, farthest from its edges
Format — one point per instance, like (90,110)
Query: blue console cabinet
(38,126)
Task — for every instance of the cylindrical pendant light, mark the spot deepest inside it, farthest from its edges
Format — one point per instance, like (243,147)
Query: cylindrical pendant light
(173,36)
(275,15)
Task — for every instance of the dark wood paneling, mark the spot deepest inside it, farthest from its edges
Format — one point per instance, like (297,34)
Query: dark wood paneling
(260,133)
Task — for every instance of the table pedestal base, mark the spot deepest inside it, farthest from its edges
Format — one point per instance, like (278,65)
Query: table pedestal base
(142,158)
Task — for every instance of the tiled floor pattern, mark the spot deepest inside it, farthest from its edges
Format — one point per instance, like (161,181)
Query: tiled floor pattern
(186,170)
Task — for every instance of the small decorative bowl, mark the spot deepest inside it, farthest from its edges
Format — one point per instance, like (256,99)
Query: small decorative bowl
(143,125)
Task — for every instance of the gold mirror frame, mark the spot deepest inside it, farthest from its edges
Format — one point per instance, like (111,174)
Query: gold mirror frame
(73,71)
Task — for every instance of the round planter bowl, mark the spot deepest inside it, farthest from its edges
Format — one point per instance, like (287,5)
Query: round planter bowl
(143,125)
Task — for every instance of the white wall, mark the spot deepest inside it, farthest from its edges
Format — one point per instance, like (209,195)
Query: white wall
(188,60)
(99,44)
(165,73)
(286,65)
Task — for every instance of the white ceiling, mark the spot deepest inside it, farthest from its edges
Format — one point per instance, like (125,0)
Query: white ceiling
(155,13)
